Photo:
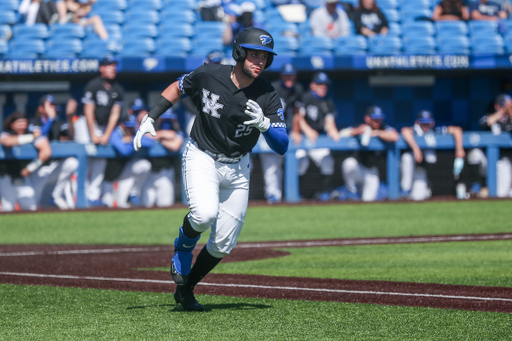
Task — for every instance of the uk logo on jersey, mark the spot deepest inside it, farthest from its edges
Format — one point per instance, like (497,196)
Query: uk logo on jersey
(265,39)
(210,103)
(280,113)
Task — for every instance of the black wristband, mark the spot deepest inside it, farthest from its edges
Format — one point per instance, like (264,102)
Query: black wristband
(161,106)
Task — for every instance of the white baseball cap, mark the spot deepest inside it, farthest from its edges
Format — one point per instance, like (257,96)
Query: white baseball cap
(247,6)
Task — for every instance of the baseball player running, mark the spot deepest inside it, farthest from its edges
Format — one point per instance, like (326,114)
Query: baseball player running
(234,106)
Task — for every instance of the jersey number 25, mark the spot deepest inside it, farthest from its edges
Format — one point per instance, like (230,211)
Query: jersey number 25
(243,130)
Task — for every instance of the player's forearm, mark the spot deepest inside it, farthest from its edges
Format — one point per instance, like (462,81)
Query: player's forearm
(389,135)
(44,150)
(89,117)
(491,119)
(112,120)
(409,138)
(71,126)
(457,136)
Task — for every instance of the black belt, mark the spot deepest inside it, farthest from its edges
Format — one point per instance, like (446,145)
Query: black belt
(220,157)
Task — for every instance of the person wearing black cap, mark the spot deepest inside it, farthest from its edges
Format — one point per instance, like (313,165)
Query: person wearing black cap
(291,94)
(102,101)
(316,116)
(16,182)
(415,164)
(235,105)
(498,121)
(130,171)
(361,170)
(58,172)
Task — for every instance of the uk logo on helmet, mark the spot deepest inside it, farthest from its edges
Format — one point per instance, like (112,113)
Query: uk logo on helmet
(265,39)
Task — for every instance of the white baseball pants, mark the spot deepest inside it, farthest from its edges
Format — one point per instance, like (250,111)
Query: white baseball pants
(272,167)
(321,157)
(355,174)
(217,195)
(159,189)
(21,192)
(413,179)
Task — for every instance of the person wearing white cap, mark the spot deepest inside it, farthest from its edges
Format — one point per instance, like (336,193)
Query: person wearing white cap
(244,19)
(330,20)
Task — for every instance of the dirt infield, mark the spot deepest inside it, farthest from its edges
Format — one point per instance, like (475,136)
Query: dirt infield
(116,267)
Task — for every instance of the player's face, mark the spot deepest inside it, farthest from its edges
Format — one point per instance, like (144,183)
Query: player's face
(425,127)
(320,89)
(19,126)
(375,123)
(108,71)
(288,80)
(255,63)
(368,4)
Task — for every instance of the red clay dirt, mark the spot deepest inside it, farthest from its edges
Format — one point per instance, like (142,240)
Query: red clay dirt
(116,267)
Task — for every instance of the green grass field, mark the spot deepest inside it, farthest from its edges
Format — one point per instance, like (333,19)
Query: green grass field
(47,313)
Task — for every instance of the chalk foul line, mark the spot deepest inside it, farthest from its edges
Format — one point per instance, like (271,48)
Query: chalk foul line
(340,291)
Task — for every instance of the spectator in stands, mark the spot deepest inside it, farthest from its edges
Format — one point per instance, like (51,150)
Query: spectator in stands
(415,165)
(450,10)
(316,116)
(16,183)
(291,93)
(211,10)
(369,20)
(102,101)
(130,172)
(56,173)
(78,11)
(362,169)
(159,187)
(499,121)
(38,11)
(244,20)
(330,20)
(488,10)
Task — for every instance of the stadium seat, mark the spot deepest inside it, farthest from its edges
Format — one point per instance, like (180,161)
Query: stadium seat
(387,4)
(416,44)
(112,17)
(394,29)
(313,4)
(8,17)
(4,48)
(451,28)
(384,45)
(203,47)
(286,45)
(67,31)
(453,44)
(112,5)
(141,15)
(63,48)
(5,32)
(391,15)
(426,4)
(183,4)
(418,28)
(155,5)
(351,45)
(282,28)
(170,29)
(174,47)
(209,29)
(36,31)
(415,13)
(9,5)
(260,4)
(272,15)
(139,30)
(138,47)
(490,44)
(100,48)
(316,46)
(186,16)
(507,41)
(28,47)
(483,28)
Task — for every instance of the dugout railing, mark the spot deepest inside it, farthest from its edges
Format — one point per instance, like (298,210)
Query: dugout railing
(485,140)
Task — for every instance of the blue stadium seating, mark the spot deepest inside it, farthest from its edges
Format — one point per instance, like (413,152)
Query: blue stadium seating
(406,4)
(387,4)
(186,16)
(63,48)
(412,13)
(141,15)
(453,44)
(109,5)
(508,43)
(313,4)
(112,17)
(489,44)
(4,48)
(278,28)
(384,45)
(483,28)
(316,46)
(67,31)
(100,48)
(286,45)
(146,4)
(139,30)
(209,29)
(419,28)
(392,15)
(394,29)
(29,48)
(451,28)
(138,47)
(260,4)
(416,44)
(5,32)
(351,45)
(174,47)
(36,31)
(190,4)
(9,5)
(171,29)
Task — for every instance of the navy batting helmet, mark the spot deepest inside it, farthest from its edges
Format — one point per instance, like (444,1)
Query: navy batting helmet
(253,38)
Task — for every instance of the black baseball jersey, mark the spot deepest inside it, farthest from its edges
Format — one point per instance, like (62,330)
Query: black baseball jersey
(219,127)
(503,124)
(57,130)
(12,167)
(290,98)
(315,110)
(96,93)
(373,158)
